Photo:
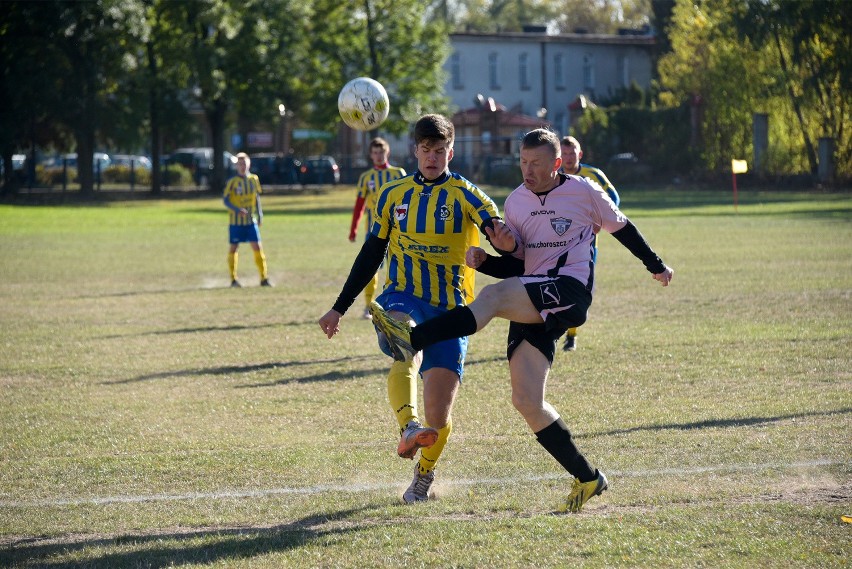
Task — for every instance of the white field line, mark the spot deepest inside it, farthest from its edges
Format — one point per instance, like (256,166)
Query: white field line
(350,488)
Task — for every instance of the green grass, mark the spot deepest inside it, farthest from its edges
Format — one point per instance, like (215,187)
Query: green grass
(150,416)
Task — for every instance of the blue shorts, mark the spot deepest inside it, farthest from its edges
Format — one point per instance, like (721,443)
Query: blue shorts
(243,233)
(448,354)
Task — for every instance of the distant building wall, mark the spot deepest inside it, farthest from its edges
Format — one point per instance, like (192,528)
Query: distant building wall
(526,72)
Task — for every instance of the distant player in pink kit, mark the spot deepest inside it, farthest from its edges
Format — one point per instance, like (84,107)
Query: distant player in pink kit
(547,267)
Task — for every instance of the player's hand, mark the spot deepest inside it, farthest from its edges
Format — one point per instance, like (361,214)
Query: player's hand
(244,211)
(665,277)
(474,257)
(352,237)
(501,236)
(330,323)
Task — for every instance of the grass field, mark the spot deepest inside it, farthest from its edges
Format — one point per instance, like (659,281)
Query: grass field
(150,416)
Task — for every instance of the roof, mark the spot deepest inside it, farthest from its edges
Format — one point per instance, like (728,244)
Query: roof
(473,117)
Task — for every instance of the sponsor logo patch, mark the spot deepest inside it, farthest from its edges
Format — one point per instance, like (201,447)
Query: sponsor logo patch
(401,211)
(549,294)
(560,225)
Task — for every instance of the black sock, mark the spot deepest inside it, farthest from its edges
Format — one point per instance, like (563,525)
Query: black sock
(456,323)
(556,439)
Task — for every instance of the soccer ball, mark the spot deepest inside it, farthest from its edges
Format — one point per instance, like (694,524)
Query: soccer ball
(363,104)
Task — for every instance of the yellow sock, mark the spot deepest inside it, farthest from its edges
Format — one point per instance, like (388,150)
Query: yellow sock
(370,289)
(260,261)
(429,456)
(232,264)
(572,331)
(402,392)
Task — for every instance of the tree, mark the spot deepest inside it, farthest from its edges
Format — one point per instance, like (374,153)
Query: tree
(720,77)
(565,16)
(733,58)
(34,99)
(388,40)
(86,65)
(811,44)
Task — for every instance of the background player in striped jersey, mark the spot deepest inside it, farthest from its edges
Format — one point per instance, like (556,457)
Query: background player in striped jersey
(242,198)
(548,279)
(425,222)
(369,183)
(571,156)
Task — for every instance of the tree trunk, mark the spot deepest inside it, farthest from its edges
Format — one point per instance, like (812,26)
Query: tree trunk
(216,120)
(154,113)
(797,108)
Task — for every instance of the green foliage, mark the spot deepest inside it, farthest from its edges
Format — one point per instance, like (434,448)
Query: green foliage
(122,175)
(177,175)
(731,59)
(388,40)
(52,176)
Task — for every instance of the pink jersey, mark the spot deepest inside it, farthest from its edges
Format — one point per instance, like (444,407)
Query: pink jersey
(556,231)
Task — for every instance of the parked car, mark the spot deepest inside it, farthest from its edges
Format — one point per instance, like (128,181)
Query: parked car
(100,161)
(319,170)
(273,169)
(627,165)
(199,161)
(127,159)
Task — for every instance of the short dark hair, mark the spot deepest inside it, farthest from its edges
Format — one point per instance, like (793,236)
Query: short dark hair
(379,142)
(433,128)
(571,141)
(542,137)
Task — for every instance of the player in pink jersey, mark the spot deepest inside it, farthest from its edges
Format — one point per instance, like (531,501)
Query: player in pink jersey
(547,267)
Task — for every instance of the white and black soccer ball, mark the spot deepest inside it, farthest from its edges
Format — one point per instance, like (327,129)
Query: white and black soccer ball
(363,104)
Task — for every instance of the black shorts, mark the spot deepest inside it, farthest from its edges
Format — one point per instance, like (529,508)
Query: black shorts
(563,303)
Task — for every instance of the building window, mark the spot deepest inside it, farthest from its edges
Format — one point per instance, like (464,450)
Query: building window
(493,68)
(589,73)
(524,72)
(455,71)
(558,71)
(623,69)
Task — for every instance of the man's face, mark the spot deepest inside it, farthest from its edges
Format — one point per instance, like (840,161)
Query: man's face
(378,155)
(433,158)
(539,167)
(242,166)
(571,156)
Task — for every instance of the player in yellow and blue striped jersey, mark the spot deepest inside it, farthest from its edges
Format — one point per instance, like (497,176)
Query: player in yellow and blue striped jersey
(242,198)
(571,155)
(425,223)
(369,183)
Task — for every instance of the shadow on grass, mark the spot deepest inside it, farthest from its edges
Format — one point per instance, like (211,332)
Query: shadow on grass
(230,328)
(722,423)
(345,363)
(206,546)
(143,292)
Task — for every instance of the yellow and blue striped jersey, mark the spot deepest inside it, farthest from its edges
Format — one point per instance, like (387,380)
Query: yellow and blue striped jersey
(597,175)
(243,193)
(430,226)
(370,181)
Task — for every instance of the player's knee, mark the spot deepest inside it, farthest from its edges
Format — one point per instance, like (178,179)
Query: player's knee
(489,295)
(526,404)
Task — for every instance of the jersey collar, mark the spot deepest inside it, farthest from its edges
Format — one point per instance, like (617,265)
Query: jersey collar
(419,179)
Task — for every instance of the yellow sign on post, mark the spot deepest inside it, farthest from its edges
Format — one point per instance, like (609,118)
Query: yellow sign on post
(739,166)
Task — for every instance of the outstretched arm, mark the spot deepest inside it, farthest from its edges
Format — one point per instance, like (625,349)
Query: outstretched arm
(365,266)
(501,267)
(630,237)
